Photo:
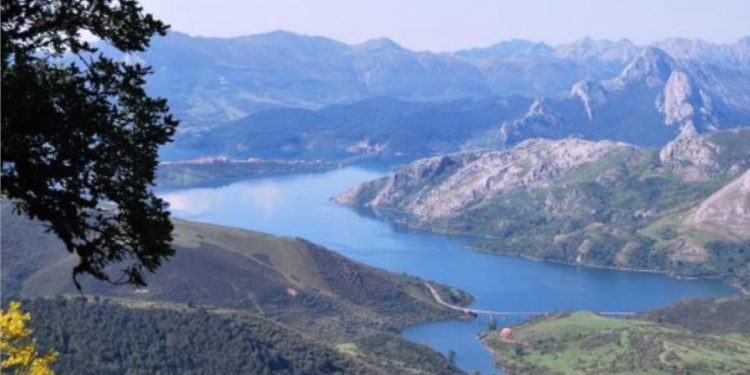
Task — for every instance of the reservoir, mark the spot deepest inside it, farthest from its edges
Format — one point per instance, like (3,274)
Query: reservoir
(300,206)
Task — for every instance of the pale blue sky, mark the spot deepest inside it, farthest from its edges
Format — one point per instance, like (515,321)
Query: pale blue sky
(442,25)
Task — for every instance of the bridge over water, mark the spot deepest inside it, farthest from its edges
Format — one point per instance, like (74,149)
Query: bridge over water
(478,312)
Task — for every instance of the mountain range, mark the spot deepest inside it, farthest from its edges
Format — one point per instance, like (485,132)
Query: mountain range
(289,95)
(216,79)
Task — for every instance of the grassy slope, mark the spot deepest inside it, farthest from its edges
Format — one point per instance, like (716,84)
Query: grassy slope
(336,299)
(585,343)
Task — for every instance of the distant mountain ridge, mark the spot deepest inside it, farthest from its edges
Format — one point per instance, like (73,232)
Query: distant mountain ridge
(215,80)
(287,95)
(380,126)
(648,103)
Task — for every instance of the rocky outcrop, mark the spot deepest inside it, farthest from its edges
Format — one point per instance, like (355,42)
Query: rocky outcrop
(726,213)
(542,117)
(677,94)
(438,187)
(681,97)
(697,157)
(645,104)
(682,103)
(691,155)
(591,95)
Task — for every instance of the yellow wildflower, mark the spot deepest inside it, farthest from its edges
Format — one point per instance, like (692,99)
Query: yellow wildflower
(17,348)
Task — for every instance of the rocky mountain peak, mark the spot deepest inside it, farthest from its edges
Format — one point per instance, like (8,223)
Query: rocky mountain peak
(683,48)
(380,44)
(622,50)
(539,114)
(653,66)
(516,49)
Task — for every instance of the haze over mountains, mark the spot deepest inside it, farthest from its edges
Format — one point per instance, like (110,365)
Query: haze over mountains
(244,88)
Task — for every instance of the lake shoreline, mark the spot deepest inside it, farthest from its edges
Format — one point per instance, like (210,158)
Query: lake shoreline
(300,205)
(739,288)
(410,225)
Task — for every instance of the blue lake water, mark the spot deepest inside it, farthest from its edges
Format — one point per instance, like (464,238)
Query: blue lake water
(300,205)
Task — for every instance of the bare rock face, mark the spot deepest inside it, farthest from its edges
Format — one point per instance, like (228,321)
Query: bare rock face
(698,157)
(691,155)
(591,95)
(682,103)
(677,94)
(726,213)
(540,117)
(438,187)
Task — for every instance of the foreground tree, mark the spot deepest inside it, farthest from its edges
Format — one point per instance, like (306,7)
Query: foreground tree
(79,132)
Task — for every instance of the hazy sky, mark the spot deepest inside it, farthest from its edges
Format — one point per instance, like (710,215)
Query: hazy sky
(441,25)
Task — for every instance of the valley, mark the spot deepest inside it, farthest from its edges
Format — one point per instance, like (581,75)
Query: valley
(260,269)
(305,205)
(301,206)
(238,280)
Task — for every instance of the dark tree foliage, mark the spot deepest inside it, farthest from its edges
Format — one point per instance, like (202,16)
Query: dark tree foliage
(80,133)
(107,338)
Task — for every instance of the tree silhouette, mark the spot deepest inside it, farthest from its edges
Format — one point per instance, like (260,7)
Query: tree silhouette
(80,135)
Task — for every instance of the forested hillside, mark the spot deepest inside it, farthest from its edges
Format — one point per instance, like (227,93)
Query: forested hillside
(295,283)
(108,337)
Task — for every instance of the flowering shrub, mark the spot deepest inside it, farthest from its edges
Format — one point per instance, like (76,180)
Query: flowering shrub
(18,348)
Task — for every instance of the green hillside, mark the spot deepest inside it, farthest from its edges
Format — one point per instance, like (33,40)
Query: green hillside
(585,343)
(290,281)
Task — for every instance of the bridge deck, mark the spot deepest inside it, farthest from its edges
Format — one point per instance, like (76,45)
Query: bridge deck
(470,311)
